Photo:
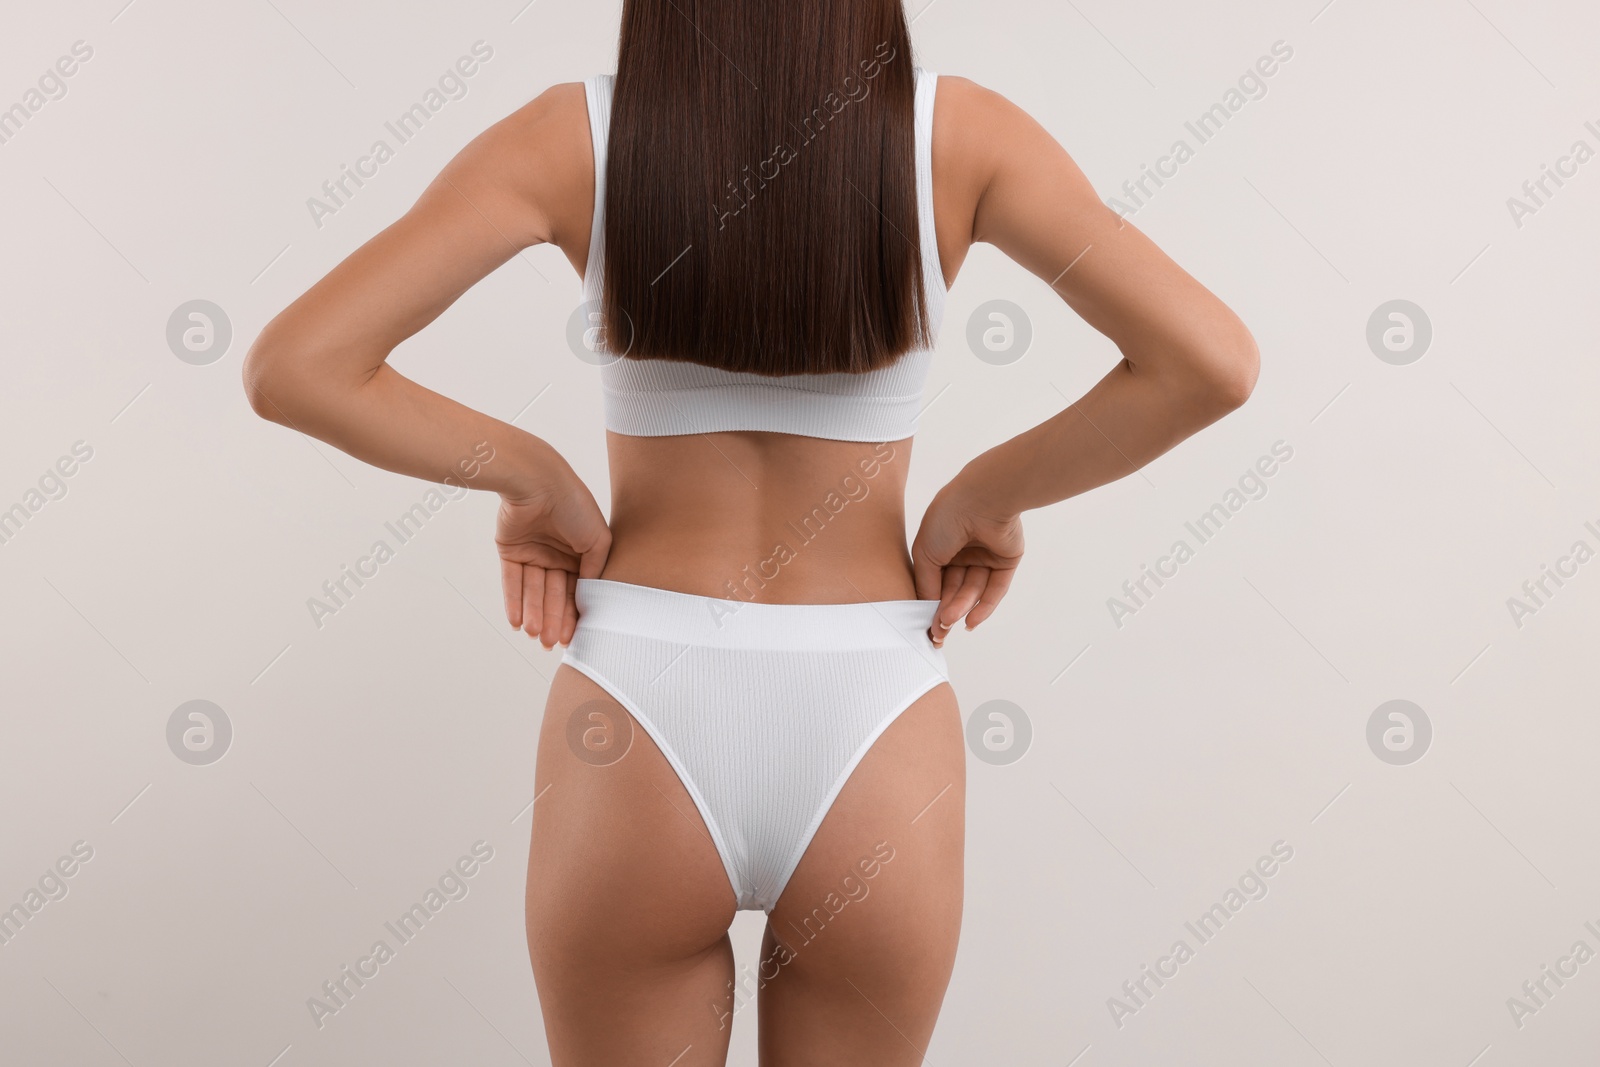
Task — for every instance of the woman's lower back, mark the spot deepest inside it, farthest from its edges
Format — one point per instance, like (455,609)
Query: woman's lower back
(762,517)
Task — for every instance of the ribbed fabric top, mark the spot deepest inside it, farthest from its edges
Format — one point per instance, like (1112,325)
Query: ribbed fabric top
(659,398)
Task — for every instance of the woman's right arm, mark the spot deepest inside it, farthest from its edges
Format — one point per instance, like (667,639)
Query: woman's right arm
(1187,359)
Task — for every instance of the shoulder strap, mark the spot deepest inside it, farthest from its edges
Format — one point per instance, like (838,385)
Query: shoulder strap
(597,94)
(932,273)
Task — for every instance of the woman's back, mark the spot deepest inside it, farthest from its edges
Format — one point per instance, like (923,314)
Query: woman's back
(778,489)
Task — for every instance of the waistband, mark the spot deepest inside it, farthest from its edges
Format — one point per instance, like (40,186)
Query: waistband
(688,618)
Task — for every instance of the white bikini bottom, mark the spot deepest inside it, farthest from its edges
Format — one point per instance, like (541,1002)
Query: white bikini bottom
(763,710)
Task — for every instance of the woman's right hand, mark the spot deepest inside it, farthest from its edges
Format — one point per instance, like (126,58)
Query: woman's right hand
(964,555)
(549,537)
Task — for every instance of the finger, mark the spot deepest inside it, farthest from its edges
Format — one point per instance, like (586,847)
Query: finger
(555,603)
(971,590)
(571,616)
(926,573)
(532,599)
(511,591)
(999,582)
(592,562)
(590,565)
(950,583)
(953,597)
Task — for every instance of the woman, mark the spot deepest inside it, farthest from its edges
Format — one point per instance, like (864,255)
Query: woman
(767,205)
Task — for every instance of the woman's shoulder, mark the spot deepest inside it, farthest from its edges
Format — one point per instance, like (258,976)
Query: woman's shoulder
(555,120)
(537,164)
(974,129)
(968,106)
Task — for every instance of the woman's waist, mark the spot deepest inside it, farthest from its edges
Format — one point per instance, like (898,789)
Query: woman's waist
(810,559)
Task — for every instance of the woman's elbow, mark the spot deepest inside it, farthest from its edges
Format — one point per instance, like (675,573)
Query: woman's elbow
(1234,372)
(268,380)
(1223,366)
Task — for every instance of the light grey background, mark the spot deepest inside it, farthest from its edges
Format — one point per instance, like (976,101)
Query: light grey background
(1168,753)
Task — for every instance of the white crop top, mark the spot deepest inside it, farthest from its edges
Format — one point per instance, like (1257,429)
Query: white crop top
(660,398)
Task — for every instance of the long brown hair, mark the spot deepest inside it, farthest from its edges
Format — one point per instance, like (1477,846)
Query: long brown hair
(761,193)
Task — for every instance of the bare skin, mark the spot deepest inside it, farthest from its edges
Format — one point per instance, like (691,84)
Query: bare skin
(628,904)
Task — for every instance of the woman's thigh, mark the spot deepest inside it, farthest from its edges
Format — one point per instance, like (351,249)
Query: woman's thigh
(860,946)
(628,904)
